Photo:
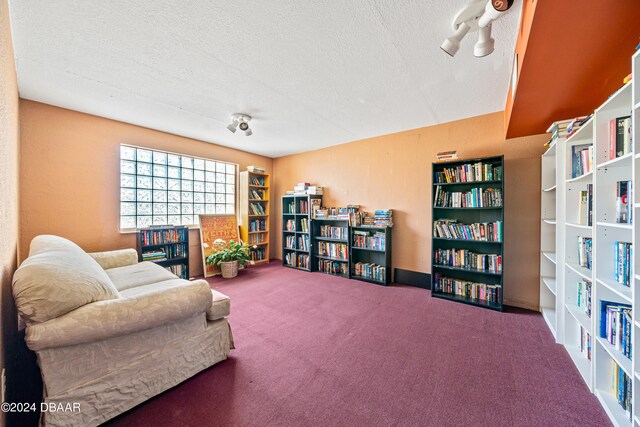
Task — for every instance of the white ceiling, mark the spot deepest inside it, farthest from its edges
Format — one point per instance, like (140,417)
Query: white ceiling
(312,73)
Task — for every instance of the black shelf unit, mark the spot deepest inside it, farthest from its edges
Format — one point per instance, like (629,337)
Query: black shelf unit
(292,210)
(380,256)
(172,241)
(468,216)
(316,238)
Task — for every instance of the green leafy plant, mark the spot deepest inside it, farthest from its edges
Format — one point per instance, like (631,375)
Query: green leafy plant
(233,251)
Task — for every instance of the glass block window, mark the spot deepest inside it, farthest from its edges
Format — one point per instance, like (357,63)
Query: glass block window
(159,188)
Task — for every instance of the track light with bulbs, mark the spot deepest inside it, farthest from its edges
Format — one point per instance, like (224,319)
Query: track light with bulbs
(240,121)
(477,16)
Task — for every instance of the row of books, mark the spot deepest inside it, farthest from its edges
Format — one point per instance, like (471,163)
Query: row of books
(623,202)
(565,128)
(620,139)
(333,267)
(256,194)
(256,238)
(290,208)
(334,232)
(303,243)
(257,254)
(616,325)
(179,270)
(290,225)
(585,209)
(452,229)
(585,245)
(583,300)
(303,206)
(369,271)
(290,259)
(303,188)
(463,288)
(158,255)
(333,250)
(304,225)
(257,180)
(257,208)
(364,239)
(621,386)
(380,218)
(161,237)
(474,198)
(304,261)
(581,159)
(470,173)
(622,263)
(299,260)
(290,242)
(464,258)
(585,343)
(336,213)
(257,225)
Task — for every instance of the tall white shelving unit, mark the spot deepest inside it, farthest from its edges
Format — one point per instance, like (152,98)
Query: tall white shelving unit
(560,271)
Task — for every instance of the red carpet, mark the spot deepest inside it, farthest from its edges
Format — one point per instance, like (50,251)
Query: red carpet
(313,349)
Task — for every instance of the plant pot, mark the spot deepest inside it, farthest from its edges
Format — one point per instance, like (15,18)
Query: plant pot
(229,269)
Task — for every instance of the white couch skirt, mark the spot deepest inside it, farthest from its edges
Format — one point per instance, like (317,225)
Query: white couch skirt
(109,377)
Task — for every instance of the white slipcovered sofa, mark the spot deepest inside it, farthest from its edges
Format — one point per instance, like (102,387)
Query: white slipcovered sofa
(110,332)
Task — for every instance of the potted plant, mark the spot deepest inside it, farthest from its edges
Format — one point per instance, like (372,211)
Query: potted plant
(229,256)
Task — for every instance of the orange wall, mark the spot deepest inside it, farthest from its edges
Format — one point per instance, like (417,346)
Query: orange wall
(394,171)
(70,175)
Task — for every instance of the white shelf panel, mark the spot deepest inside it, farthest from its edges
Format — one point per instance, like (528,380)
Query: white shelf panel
(550,282)
(615,287)
(614,411)
(614,224)
(581,317)
(637,324)
(621,360)
(550,221)
(581,226)
(620,99)
(583,177)
(551,256)
(618,162)
(550,189)
(584,133)
(549,315)
(582,363)
(583,272)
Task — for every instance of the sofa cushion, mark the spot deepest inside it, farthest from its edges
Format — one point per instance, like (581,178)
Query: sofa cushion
(141,274)
(221,306)
(56,278)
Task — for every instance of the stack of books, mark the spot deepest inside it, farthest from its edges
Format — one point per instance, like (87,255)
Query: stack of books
(336,213)
(158,255)
(255,169)
(565,128)
(380,218)
(305,188)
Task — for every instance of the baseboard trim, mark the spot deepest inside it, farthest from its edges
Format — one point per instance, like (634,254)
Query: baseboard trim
(412,278)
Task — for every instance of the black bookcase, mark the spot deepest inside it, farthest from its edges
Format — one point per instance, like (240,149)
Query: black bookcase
(297,248)
(334,265)
(167,246)
(371,246)
(470,281)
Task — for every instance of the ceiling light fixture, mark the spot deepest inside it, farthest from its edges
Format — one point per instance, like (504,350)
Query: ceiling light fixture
(476,16)
(239,120)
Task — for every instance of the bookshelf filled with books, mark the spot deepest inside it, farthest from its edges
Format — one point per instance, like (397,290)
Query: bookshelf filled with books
(166,246)
(468,218)
(331,242)
(595,261)
(254,213)
(297,249)
(371,254)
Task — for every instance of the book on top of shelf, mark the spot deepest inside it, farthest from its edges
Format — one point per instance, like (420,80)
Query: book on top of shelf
(255,169)
(623,207)
(620,137)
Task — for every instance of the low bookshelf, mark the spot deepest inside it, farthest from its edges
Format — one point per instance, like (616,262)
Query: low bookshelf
(296,226)
(254,213)
(371,254)
(467,243)
(166,246)
(330,240)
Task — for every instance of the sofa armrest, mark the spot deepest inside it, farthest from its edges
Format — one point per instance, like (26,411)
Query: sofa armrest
(114,259)
(105,319)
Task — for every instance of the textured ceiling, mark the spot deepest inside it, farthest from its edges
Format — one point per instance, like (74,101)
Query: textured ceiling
(313,74)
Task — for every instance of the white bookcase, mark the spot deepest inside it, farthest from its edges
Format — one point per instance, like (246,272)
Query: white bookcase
(561,227)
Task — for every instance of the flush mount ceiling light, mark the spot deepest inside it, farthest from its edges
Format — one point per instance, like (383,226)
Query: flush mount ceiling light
(241,121)
(477,16)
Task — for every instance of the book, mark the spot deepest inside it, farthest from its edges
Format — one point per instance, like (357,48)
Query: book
(619,136)
(623,196)
(583,208)
(589,204)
